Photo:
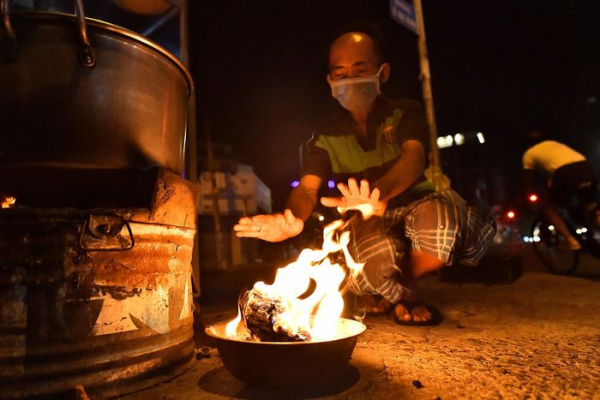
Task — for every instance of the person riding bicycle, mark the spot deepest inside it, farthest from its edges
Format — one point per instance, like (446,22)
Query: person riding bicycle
(569,174)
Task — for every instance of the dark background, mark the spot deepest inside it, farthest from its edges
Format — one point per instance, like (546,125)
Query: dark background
(499,67)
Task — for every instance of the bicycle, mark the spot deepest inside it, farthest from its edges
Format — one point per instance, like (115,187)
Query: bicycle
(547,240)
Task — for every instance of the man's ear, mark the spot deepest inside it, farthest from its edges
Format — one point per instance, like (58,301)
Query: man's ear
(385,72)
(328,78)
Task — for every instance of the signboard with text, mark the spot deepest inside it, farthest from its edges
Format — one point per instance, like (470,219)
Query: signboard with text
(403,12)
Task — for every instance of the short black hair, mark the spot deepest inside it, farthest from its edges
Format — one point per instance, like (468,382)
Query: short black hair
(370,28)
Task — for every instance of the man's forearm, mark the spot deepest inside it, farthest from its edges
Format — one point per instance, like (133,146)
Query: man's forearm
(302,202)
(403,173)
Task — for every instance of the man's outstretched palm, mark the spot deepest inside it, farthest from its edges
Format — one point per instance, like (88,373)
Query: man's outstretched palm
(357,198)
(270,227)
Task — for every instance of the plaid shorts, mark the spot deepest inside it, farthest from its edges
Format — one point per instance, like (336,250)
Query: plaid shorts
(441,224)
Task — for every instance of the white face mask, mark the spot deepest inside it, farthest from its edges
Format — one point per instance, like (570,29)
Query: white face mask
(356,94)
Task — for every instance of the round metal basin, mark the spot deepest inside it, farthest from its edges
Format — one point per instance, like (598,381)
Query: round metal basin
(289,363)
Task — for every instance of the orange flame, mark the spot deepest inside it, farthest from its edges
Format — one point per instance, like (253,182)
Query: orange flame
(232,327)
(7,201)
(320,312)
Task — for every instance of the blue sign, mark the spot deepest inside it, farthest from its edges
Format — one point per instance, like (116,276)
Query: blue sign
(403,12)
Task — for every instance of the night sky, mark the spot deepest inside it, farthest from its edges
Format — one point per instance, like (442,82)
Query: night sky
(499,67)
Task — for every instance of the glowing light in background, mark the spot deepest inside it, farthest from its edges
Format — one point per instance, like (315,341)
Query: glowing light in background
(331,184)
(443,141)
(295,184)
(533,198)
(459,139)
(7,201)
(511,214)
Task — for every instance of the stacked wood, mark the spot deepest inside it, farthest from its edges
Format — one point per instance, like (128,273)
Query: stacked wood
(262,316)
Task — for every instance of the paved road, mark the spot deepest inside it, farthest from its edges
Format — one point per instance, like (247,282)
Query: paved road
(538,337)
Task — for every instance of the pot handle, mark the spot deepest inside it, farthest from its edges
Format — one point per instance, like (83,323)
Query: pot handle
(86,52)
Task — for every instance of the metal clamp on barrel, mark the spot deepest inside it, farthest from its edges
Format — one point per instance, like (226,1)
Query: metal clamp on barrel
(103,233)
(8,38)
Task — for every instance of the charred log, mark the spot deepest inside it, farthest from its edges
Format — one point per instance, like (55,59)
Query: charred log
(262,316)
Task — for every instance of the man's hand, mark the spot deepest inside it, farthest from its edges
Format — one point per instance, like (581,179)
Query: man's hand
(357,198)
(270,227)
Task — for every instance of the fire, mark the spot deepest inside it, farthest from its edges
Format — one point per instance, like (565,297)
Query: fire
(319,313)
(232,327)
(7,201)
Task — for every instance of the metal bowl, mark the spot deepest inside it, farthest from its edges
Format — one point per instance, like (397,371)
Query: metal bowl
(289,363)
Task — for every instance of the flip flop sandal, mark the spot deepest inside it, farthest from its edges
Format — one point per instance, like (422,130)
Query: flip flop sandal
(436,315)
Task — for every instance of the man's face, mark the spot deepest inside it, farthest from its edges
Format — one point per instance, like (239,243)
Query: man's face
(352,55)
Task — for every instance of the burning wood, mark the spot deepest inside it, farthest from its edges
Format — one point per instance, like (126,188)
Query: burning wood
(264,317)
(287,310)
(7,201)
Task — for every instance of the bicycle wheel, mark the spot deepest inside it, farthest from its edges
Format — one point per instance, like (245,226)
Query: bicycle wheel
(546,240)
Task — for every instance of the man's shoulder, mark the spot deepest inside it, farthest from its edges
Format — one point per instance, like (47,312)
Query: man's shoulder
(339,124)
(404,104)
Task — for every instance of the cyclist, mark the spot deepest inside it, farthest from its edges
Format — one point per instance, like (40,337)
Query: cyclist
(568,174)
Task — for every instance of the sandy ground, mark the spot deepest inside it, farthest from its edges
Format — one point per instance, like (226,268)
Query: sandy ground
(538,337)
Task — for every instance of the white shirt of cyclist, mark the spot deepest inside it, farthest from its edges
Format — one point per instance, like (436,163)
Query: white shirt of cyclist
(549,156)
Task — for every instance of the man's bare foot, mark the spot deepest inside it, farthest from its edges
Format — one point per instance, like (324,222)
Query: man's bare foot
(417,313)
(409,313)
(375,306)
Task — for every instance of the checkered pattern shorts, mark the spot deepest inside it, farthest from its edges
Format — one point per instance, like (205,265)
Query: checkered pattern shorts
(441,224)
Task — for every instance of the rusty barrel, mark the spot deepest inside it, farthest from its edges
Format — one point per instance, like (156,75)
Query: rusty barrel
(100,298)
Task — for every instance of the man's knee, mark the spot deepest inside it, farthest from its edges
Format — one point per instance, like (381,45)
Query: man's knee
(422,263)
(435,230)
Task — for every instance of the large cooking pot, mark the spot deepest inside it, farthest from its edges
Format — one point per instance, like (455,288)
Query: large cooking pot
(84,93)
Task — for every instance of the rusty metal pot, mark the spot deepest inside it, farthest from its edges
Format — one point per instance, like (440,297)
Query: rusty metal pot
(286,363)
(84,93)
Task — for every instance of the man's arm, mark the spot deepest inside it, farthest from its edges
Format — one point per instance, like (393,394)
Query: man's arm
(404,172)
(279,227)
(303,198)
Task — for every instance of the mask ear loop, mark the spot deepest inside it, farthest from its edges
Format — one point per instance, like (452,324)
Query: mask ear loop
(379,73)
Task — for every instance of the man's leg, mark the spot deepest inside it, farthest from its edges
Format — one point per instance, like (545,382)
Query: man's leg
(550,212)
(434,228)
(372,245)
(568,181)
(419,264)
